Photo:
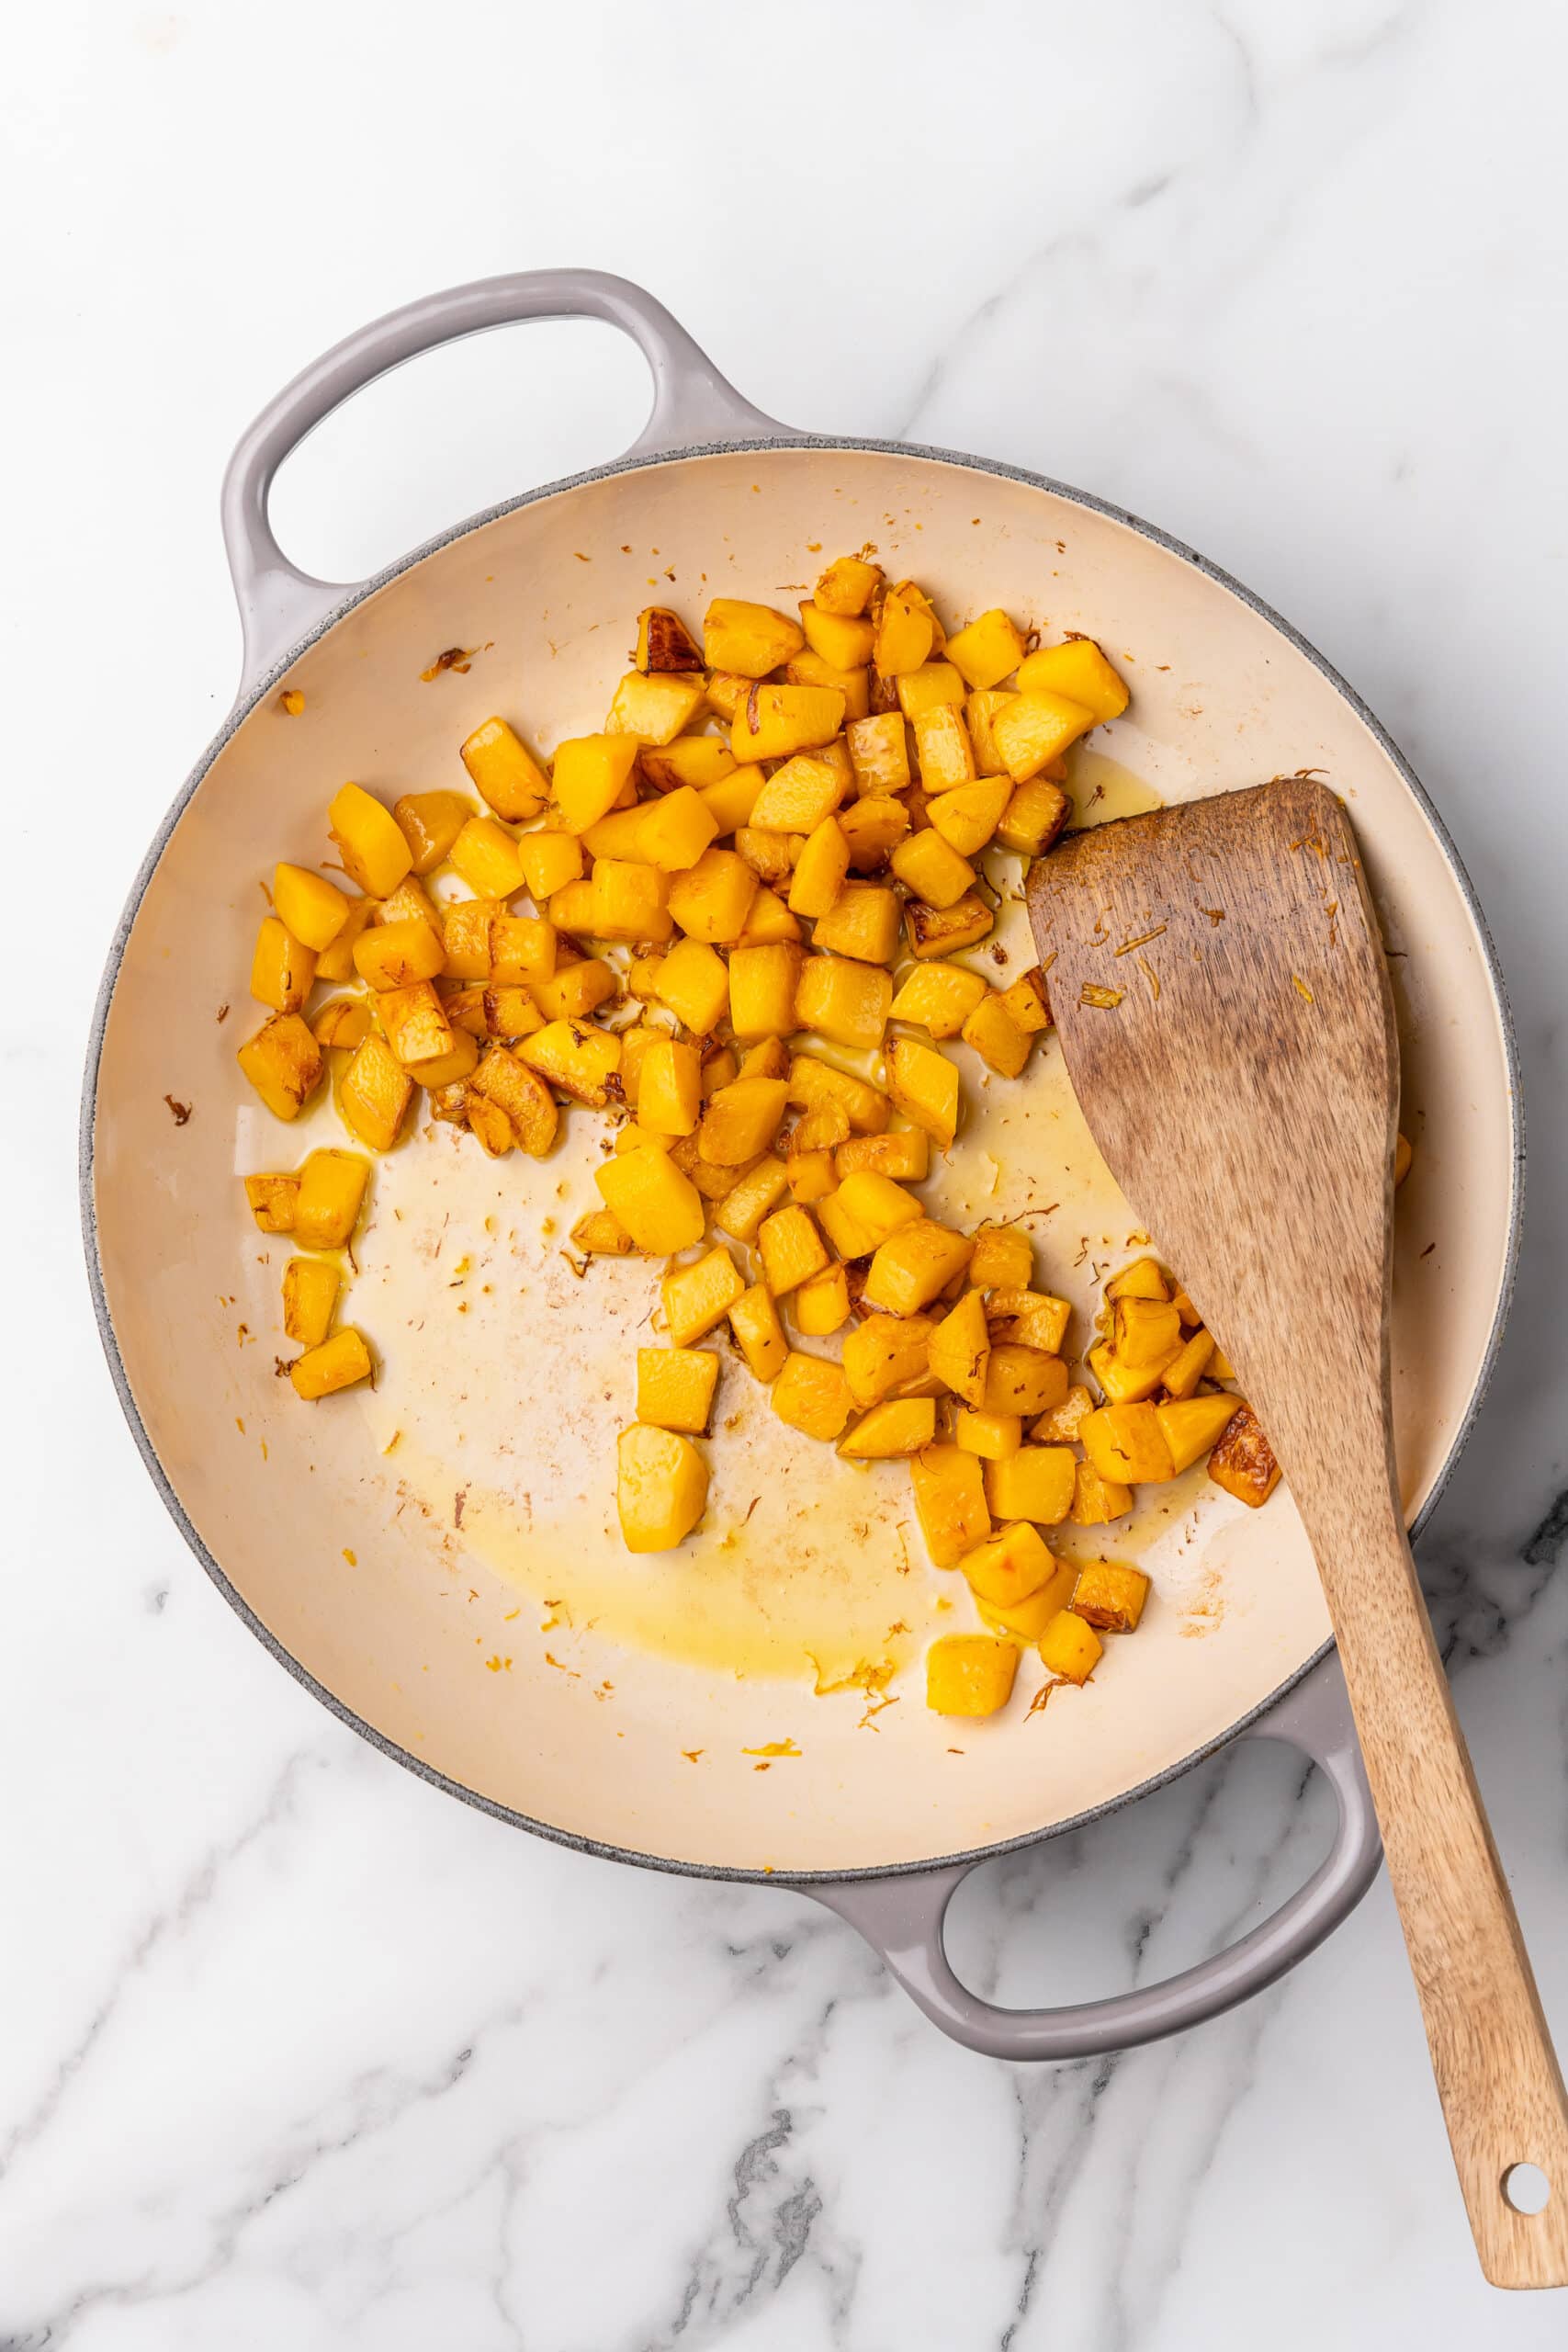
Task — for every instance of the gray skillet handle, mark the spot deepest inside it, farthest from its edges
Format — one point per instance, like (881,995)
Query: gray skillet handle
(691,403)
(902,1917)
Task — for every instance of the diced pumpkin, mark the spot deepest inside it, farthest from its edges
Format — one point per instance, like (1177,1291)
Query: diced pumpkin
(741,1120)
(712,899)
(950,1502)
(914,1265)
(809,669)
(1061,1425)
(1035,728)
(590,772)
(939,998)
(1027,1002)
(969,814)
(903,635)
(960,1349)
(944,931)
(842,639)
(933,685)
(369,842)
(488,1123)
(843,1000)
(932,870)
(877,1205)
(987,650)
(397,954)
(676,830)
(579,1059)
(979,713)
(1078,669)
(661,1489)
(630,901)
(997,1037)
(1097,1501)
(1180,1377)
(415,1025)
(466,928)
(758,1334)
(1190,1426)
(660,1208)
(798,796)
(773,722)
(945,753)
(574,991)
(271,1200)
(1243,1462)
(309,1296)
(600,1234)
(748,640)
(761,983)
(313,909)
(506,772)
(549,861)
(284,1064)
(676,1387)
(1034,817)
(1022,1380)
(282,970)
(335,962)
(664,643)
(332,1190)
(694,981)
(821,1305)
(925,1086)
(730,799)
(523,949)
(1035,1483)
(1141,1279)
(873,827)
(905,1155)
(1145,1331)
(487,857)
(505,1079)
(770,856)
(883,1354)
(653,708)
(1070,1648)
(879,753)
(970,1674)
(1004,1258)
(1030,1318)
(1125,1383)
(992,1436)
(337,1363)
(726,691)
(669,1093)
(904,1425)
(1111,1597)
(811,1395)
(341,1024)
(791,1248)
(847,584)
(819,871)
(811,1176)
(1007,1567)
(1027,1619)
(447,1069)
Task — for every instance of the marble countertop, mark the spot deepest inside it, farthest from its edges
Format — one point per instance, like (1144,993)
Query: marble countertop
(297,2051)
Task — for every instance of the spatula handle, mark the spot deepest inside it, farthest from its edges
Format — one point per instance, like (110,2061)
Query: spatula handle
(1496,2072)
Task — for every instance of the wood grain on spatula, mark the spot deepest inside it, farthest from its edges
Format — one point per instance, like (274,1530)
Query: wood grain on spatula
(1222,997)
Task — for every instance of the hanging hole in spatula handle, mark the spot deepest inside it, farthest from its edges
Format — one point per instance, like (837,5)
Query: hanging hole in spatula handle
(693,404)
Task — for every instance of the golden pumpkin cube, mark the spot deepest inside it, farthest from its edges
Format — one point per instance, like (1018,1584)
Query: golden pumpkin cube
(821,1304)
(809,669)
(712,899)
(1037,1482)
(664,643)
(950,1502)
(574,991)
(523,949)
(1034,817)
(979,712)
(576,1058)
(944,931)
(337,1363)
(763,982)
(1243,1462)
(774,722)
(847,584)
(1024,1380)
(694,981)
(1146,1330)
(1027,1002)
(970,1674)
(1035,728)
(1078,669)
(313,909)
(506,772)
(1190,1425)
(997,1037)
(904,1154)
(670,1088)
(873,827)
(660,1208)
(1111,1597)
(960,1351)
(939,998)
(877,1205)
(331,1188)
(464,938)
(415,1023)
(510,1013)
(1061,1424)
(987,650)
(283,1063)
(798,796)
(1185,1370)
(397,954)
(675,830)
(812,1081)
(1027,1619)
(925,1086)
(282,971)
(904,1425)
(932,686)
(448,1069)
(904,634)
(1007,1567)
(430,822)
(969,814)
(811,1395)
(992,1436)
(754,1196)
(662,1488)
(932,870)
(879,753)
(1003,1258)
(590,773)
(811,1176)
(697,1297)
(748,640)
(791,1248)
(883,1355)
(1070,1648)
(335,961)
(1029,1318)
(842,639)
(758,1334)
(1125,1383)
(730,797)
(549,860)
(1097,1501)
(820,871)
(374,1093)
(945,754)
(772,858)
(341,1024)
(630,900)
(676,1387)
(309,1295)
(740,1121)
(506,1081)
(600,1234)
(845,1001)
(271,1200)
(368,840)
(653,708)
(486,855)
(914,1265)
(1141,1279)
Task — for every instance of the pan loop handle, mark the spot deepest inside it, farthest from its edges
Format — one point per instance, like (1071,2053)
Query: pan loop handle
(902,1918)
(693,404)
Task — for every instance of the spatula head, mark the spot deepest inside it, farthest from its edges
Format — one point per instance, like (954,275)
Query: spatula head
(1222,997)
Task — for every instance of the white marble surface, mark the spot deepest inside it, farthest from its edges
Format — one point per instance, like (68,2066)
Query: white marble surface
(295,2051)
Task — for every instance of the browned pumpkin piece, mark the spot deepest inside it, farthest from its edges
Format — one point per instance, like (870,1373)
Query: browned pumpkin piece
(942,931)
(1243,1462)
(521,1094)
(1111,1596)
(664,643)
(1028,1001)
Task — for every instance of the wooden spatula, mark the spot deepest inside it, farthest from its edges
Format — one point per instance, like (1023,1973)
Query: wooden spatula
(1221,992)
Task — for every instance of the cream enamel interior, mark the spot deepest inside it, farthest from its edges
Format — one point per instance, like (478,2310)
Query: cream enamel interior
(506,1377)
